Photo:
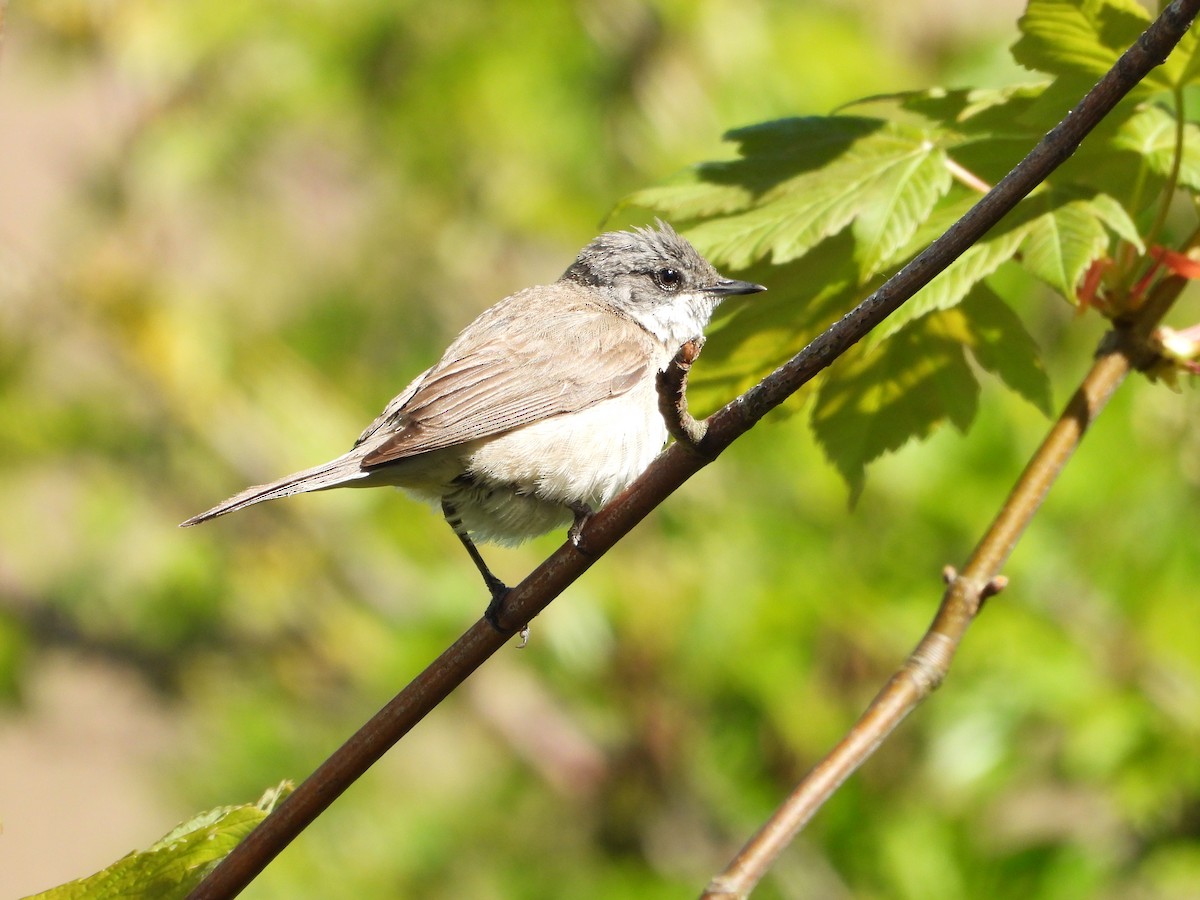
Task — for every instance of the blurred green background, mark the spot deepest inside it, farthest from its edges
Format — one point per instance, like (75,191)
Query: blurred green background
(229,233)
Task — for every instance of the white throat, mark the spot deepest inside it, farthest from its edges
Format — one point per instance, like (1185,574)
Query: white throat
(674,323)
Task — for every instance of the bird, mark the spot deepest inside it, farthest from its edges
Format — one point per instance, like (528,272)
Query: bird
(543,408)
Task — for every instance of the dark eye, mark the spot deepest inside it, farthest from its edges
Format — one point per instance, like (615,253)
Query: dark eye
(668,279)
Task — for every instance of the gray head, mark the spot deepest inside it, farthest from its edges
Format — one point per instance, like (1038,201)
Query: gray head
(657,278)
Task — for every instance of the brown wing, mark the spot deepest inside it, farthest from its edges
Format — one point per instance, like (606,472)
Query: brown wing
(395,408)
(517,363)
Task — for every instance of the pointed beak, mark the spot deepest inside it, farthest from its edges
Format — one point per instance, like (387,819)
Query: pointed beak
(727,287)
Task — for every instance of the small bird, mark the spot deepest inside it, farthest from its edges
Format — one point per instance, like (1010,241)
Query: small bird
(544,407)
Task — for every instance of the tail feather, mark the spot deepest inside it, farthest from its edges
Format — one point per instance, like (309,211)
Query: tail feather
(337,472)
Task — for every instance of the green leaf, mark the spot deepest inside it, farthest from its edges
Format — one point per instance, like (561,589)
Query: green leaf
(896,203)
(1109,211)
(699,192)
(749,337)
(178,862)
(950,286)
(1064,37)
(1061,243)
(801,181)
(985,131)
(997,339)
(976,111)
(1150,133)
(1085,37)
(1188,52)
(771,153)
(878,398)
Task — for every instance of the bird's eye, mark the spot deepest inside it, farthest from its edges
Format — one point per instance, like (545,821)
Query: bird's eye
(668,279)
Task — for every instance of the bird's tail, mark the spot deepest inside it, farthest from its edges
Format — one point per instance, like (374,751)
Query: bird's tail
(337,472)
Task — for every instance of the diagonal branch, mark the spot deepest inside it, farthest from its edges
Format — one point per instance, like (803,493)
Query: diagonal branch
(1123,350)
(677,465)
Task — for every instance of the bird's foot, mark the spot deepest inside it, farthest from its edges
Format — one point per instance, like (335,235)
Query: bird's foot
(583,513)
(496,607)
(495,610)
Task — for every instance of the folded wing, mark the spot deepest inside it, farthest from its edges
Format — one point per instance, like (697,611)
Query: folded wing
(522,366)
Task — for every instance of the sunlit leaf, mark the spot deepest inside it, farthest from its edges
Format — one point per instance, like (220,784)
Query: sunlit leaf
(1081,37)
(974,111)
(951,285)
(800,181)
(769,155)
(1189,52)
(751,336)
(1151,133)
(1114,215)
(698,192)
(1061,243)
(896,203)
(174,865)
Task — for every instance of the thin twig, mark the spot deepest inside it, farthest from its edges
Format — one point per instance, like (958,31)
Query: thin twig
(676,465)
(1123,350)
(966,177)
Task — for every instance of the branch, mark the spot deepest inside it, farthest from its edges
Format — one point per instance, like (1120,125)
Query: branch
(675,466)
(1123,350)
(672,396)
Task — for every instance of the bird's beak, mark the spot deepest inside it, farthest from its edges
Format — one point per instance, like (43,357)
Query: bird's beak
(727,287)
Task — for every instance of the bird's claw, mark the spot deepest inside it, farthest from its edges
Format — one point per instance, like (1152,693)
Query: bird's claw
(496,607)
(583,513)
(495,610)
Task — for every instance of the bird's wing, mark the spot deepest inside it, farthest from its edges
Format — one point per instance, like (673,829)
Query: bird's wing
(524,365)
(392,412)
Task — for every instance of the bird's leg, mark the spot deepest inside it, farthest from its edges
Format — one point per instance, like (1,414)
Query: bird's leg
(497,588)
(582,513)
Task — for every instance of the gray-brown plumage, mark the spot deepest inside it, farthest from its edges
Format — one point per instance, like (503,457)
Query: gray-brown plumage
(542,408)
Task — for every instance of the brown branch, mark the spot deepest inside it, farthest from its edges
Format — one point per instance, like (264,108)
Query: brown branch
(1123,350)
(677,465)
(672,396)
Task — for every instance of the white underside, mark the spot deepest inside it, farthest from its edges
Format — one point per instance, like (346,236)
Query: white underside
(588,456)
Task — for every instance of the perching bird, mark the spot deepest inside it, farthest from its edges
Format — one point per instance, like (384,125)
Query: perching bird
(544,407)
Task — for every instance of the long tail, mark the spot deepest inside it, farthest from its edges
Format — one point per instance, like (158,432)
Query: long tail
(336,472)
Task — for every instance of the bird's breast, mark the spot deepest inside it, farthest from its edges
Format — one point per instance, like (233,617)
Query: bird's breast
(586,456)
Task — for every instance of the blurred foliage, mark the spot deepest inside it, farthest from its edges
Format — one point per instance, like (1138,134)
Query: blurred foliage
(258,221)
